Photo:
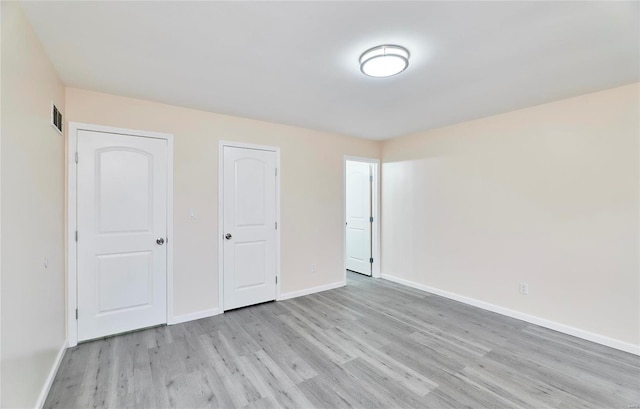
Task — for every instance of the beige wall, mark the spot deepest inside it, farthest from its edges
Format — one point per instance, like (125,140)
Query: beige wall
(311,189)
(548,195)
(32,216)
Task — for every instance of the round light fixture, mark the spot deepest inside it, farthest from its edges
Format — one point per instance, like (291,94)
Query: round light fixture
(384,61)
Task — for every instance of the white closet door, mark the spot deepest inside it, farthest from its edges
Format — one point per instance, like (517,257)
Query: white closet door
(122,226)
(359,215)
(249,199)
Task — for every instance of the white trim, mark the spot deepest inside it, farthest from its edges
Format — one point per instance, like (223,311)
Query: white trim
(375,271)
(221,145)
(170,235)
(312,290)
(178,319)
(72,204)
(72,222)
(52,374)
(543,322)
(220,225)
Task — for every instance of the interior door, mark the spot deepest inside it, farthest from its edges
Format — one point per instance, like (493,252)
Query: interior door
(249,231)
(359,213)
(122,225)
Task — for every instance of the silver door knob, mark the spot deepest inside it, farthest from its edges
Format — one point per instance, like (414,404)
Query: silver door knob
(228,236)
(160,241)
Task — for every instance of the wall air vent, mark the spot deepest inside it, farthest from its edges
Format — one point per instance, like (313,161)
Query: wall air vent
(56,118)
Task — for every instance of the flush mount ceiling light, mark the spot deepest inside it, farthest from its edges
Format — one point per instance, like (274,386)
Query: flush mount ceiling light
(384,61)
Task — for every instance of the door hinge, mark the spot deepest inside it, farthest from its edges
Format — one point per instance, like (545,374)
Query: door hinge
(276,171)
(276,225)
(276,279)
(371,219)
(76,235)
(76,313)
(75,156)
(371,179)
(371,260)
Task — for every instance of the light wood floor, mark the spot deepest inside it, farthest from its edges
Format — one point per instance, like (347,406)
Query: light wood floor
(371,344)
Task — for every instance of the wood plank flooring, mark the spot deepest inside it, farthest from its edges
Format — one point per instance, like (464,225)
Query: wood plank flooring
(372,344)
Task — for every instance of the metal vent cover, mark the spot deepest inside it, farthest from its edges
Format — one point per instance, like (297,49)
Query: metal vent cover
(56,118)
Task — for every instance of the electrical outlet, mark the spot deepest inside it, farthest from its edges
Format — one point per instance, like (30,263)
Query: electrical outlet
(313,268)
(524,288)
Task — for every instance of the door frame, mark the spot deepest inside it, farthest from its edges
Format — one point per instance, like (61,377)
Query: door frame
(276,150)
(72,220)
(375,231)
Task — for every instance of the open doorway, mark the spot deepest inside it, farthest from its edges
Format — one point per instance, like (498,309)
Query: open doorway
(361,204)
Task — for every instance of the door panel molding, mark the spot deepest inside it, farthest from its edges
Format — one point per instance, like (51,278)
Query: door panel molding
(375,271)
(72,219)
(221,145)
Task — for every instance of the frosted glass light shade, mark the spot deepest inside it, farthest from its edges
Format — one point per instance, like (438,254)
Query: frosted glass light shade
(384,61)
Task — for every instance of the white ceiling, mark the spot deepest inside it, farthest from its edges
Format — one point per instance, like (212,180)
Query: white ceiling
(297,62)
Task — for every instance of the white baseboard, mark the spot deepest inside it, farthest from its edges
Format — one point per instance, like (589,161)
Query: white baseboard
(52,374)
(178,319)
(556,326)
(307,291)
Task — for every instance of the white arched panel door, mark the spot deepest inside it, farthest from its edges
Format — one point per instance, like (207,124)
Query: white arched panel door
(122,228)
(249,226)
(359,213)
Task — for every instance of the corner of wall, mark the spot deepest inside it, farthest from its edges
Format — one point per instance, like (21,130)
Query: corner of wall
(31,191)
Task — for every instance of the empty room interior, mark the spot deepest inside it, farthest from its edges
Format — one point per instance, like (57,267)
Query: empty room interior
(320,204)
